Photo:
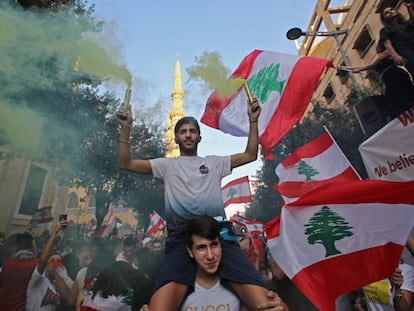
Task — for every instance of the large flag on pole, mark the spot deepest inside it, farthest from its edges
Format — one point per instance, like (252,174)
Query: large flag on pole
(156,223)
(42,215)
(283,84)
(313,165)
(341,237)
(388,154)
(237,191)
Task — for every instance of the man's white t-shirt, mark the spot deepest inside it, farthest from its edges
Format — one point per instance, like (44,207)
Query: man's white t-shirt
(192,185)
(217,298)
(41,295)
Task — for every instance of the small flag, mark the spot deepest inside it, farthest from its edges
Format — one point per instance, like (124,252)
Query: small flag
(311,166)
(108,225)
(239,220)
(156,223)
(237,191)
(42,215)
(282,83)
(254,227)
(359,226)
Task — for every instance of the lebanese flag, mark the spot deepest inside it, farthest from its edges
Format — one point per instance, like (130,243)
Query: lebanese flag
(239,220)
(341,237)
(313,165)
(282,83)
(237,191)
(255,227)
(42,215)
(108,225)
(156,223)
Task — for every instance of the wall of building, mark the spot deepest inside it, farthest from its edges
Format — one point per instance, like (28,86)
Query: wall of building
(359,17)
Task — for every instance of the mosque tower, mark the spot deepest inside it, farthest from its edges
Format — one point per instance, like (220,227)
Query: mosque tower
(175,113)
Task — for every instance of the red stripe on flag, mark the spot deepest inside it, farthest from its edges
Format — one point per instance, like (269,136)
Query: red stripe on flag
(272,228)
(310,150)
(317,281)
(294,101)
(237,200)
(237,181)
(295,189)
(359,191)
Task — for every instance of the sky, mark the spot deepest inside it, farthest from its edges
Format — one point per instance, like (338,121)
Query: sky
(148,36)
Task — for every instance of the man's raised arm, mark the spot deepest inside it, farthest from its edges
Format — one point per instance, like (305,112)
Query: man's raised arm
(124,154)
(252,148)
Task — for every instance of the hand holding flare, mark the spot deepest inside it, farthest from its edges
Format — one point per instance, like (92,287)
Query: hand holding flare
(125,105)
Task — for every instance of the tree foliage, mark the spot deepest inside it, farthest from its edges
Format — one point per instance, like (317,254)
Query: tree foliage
(78,133)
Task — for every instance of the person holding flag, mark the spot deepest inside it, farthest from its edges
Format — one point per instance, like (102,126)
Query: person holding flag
(192,187)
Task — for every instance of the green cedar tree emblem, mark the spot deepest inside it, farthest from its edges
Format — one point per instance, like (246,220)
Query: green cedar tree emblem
(231,192)
(265,81)
(325,227)
(307,170)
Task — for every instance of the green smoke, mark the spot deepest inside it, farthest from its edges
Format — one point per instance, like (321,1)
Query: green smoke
(39,50)
(210,70)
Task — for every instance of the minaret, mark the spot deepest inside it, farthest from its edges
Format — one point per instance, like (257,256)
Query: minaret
(175,113)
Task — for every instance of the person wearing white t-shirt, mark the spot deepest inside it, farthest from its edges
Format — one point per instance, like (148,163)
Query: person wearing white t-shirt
(204,247)
(49,282)
(394,293)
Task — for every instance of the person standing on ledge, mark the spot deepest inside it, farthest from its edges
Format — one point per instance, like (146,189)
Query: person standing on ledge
(193,187)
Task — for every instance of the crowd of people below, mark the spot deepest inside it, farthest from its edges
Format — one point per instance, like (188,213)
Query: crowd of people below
(104,274)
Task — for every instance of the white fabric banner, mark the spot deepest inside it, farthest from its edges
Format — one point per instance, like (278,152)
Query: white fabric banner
(389,153)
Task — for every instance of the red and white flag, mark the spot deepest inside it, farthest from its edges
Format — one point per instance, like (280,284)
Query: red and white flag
(254,227)
(345,236)
(108,225)
(313,165)
(42,215)
(237,191)
(239,219)
(282,83)
(156,223)
(388,154)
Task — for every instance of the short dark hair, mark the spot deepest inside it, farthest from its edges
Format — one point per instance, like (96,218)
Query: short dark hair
(186,120)
(24,241)
(204,226)
(130,242)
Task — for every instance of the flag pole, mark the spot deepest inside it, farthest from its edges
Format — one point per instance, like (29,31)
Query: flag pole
(248,92)
(125,105)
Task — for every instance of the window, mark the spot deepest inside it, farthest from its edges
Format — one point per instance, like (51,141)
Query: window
(73,200)
(33,190)
(92,201)
(328,94)
(342,74)
(363,42)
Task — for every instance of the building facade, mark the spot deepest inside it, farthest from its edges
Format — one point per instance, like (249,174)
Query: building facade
(358,22)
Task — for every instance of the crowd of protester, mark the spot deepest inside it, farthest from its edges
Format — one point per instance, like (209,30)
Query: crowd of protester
(54,272)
